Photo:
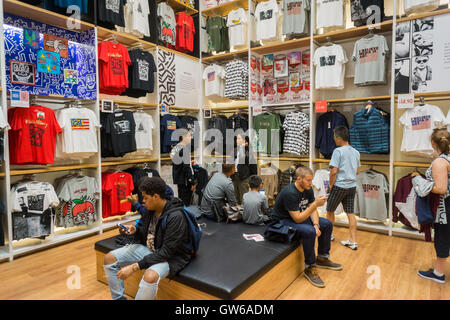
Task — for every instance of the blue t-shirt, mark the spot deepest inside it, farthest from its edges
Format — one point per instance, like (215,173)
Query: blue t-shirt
(346,159)
(291,199)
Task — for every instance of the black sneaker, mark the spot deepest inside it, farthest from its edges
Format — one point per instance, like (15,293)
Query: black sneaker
(327,264)
(431,276)
(313,277)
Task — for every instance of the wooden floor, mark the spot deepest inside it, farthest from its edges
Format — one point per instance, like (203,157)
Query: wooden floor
(43,275)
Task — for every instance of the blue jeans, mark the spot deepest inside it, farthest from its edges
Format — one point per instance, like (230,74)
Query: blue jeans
(307,232)
(128,255)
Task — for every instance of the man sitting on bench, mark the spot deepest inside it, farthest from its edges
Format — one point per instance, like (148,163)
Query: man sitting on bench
(218,191)
(158,251)
(296,207)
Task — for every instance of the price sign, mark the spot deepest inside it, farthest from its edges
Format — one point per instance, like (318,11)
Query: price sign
(405,101)
(164,109)
(257,110)
(20,99)
(320,106)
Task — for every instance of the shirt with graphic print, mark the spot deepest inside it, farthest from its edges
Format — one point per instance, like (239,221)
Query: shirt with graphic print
(168,24)
(120,128)
(116,187)
(111,11)
(114,60)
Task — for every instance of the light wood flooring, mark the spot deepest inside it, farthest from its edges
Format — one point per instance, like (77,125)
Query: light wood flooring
(43,275)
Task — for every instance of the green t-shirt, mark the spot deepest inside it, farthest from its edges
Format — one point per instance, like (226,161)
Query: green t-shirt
(216,27)
(269,122)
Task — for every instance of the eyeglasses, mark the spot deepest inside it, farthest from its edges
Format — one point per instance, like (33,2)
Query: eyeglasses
(422,61)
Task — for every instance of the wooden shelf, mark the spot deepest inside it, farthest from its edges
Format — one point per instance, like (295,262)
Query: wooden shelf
(226,56)
(358,32)
(183,108)
(20,172)
(224,9)
(29,11)
(229,108)
(124,162)
(357,99)
(423,15)
(179,53)
(129,103)
(282,46)
(411,164)
(363,162)
(124,38)
(178,6)
(283,158)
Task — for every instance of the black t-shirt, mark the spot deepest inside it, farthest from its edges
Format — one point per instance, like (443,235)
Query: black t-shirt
(112,11)
(121,128)
(141,71)
(291,199)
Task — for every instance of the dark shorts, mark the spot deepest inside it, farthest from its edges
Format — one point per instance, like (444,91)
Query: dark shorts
(342,195)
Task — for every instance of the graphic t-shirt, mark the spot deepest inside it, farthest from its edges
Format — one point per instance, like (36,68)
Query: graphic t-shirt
(330,67)
(370,56)
(185,32)
(329,13)
(121,127)
(144,130)
(291,199)
(3,125)
(296,16)
(266,14)
(371,188)
(321,184)
(213,76)
(418,124)
(114,60)
(265,126)
(216,27)
(151,233)
(116,187)
(236,79)
(237,28)
(168,124)
(168,24)
(111,11)
(136,18)
(141,72)
(33,135)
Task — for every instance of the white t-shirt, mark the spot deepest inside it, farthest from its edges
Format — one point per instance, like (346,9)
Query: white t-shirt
(321,186)
(330,67)
(418,124)
(79,127)
(330,13)
(36,196)
(266,15)
(136,17)
(237,28)
(213,76)
(144,127)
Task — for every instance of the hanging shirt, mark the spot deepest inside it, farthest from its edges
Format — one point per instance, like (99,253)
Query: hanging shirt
(33,135)
(111,11)
(361,10)
(264,124)
(296,17)
(120,129)
(371,188)
(141,73)
(321,184)
(370,56)
(3,125)
(117,186)
(213,76)
(168,24)
(296,133)
(266,15)
(330,67)
(204,37)
(114,60)
(236,79)
(325,131)
(237,28)
(82,4)
(136,18)
(329,13)
(144,130)
(418,124)
(185,32)
(168,124)
(217,30)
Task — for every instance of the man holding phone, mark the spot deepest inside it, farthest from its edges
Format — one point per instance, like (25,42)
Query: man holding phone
(296,207)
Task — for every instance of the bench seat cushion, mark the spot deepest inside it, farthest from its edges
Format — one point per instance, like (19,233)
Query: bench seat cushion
(226,264)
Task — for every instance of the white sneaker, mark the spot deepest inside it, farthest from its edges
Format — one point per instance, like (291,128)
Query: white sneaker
(332,237)
(351,245)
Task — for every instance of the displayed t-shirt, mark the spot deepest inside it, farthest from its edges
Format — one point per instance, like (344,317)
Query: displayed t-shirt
(112,11)
(216,27)
(265,125)
(118,134)
(136,18)
(236,79)
(329,13)
(214,84)
(204,37)
(168,124)
(370,56)
(141,78)
(144,130)
(371,188)
(78,197)
(116,187)
(266,15)
(296,17)
(330,67)
(418,124)
(321,184)
(413,6)
(3,125)
(237,28)
(32,135)
(168,24)
(114,60)
(82,4)
(291,199)
(296,133)
(185,32)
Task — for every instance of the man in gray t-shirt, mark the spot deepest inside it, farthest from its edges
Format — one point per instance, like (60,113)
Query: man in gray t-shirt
(255,203)
(219,191)
(296,17)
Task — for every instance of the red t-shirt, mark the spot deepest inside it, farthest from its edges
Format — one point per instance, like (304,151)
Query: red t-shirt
(33,135)
(185,32)
(113,67)
(117,186)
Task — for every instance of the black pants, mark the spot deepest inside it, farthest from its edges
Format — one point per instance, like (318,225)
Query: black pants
(185,194)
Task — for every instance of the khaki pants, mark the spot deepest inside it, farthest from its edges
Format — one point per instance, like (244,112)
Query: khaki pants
(240,187)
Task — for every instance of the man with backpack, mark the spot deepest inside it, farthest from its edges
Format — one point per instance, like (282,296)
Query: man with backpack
(163,243)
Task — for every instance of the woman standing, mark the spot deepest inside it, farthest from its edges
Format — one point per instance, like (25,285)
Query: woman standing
(245,167)
(439,173)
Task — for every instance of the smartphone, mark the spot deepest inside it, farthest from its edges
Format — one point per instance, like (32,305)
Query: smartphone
(263,192)
(123,227)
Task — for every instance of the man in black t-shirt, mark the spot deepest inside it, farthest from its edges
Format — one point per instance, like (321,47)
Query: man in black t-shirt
(296,207)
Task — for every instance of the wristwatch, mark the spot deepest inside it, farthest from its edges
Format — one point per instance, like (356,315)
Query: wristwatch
(316,224)
(136,267)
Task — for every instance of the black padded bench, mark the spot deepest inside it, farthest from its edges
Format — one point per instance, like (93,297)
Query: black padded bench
(227,266)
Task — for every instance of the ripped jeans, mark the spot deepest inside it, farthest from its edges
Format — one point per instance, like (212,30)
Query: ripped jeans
(128,255)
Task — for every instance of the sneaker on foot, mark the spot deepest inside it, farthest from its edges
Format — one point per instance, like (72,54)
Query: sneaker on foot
(313,277)
(332,237)
(431,276)
(351,245)
(326,263)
